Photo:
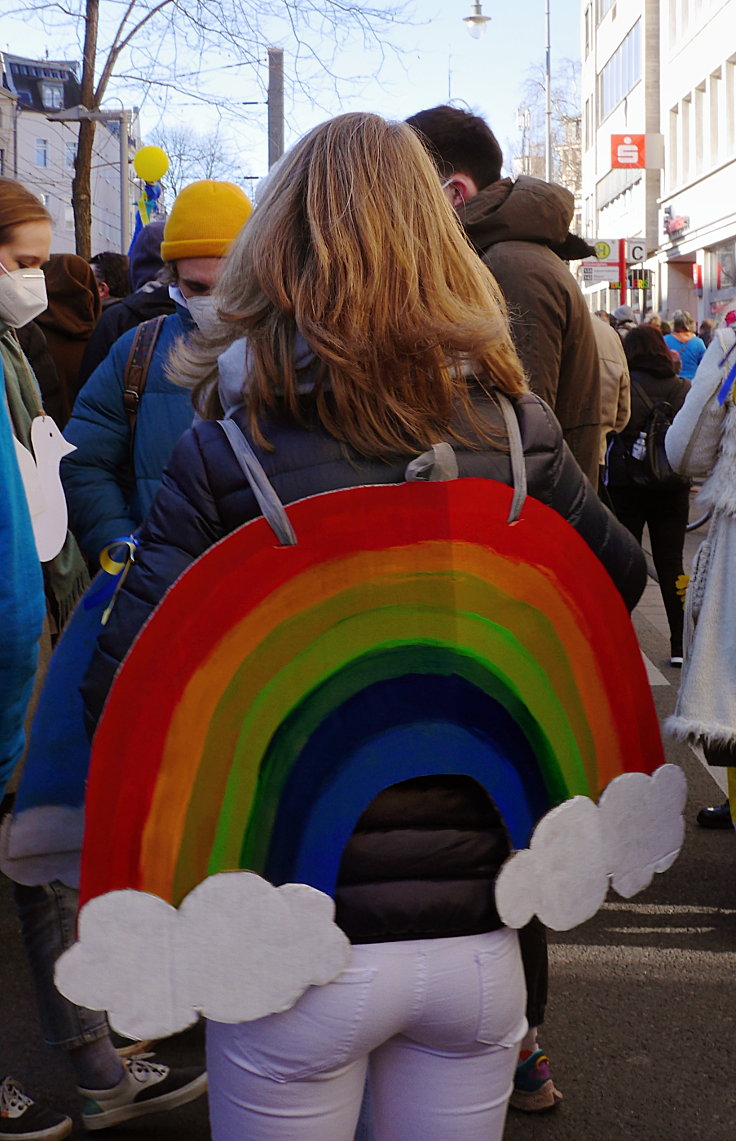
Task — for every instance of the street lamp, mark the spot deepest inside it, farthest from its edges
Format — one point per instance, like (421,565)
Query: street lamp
(476,25)
(476,21)
(123,117)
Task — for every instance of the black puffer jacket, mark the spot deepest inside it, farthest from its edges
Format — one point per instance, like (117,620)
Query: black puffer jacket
(424,855)
(663,386)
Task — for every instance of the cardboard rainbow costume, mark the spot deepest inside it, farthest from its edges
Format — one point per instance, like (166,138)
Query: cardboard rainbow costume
(411,631)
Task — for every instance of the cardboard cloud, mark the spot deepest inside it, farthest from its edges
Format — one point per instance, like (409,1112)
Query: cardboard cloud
(237,949)
(579,848)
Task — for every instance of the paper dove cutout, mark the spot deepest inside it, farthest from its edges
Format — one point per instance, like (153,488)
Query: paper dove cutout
(42,484)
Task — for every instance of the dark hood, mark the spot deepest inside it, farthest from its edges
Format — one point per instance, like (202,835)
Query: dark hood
(74,300)
(527,210)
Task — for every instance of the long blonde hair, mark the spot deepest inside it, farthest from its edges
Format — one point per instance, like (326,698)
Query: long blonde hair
(354,246)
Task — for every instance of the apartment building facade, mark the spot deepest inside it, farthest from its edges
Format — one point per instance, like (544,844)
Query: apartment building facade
(40,152)
(665,70)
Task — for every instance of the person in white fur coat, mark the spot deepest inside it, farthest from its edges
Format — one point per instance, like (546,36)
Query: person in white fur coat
(702,443)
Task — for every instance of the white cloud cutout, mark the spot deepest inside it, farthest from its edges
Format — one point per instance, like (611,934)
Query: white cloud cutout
(636,830)
(237,949)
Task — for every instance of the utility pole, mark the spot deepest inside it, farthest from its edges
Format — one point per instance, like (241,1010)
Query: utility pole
(275,105)
(548,95)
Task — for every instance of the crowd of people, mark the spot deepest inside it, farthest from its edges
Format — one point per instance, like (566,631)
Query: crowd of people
(391,289)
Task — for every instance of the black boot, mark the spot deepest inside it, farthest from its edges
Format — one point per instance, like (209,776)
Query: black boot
(718,816)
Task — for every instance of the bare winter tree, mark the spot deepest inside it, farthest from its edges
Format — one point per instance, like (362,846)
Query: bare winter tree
(186,46)
(529,148)
(194,155)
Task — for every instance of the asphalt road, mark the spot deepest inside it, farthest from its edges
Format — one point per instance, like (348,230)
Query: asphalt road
(641,1023)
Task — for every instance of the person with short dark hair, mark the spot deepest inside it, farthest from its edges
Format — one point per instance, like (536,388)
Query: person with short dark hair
(521,230)
(150,298)
(112,276)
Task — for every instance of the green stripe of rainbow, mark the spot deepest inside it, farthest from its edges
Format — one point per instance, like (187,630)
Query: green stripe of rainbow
(251,634)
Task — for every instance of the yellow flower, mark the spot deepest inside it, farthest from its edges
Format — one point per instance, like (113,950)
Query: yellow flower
(681,584)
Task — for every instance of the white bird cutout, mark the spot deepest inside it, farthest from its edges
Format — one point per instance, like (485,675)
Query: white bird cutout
(42,484)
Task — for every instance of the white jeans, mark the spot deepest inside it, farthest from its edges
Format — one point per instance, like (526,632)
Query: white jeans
(434,1024)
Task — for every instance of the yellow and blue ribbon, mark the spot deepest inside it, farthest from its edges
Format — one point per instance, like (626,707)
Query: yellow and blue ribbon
(116,560)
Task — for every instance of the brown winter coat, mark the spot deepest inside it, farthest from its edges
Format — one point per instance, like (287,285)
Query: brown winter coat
(515,227)
(72,313)
(615,382)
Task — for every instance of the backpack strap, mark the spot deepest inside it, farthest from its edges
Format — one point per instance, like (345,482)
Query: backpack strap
(271,506)
(136,369)
(643,395)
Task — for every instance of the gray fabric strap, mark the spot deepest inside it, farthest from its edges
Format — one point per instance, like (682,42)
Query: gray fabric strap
(516,449)
(439,463)
(268,501)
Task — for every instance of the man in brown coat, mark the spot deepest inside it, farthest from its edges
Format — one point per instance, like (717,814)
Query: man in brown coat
(521,230)
(615,384)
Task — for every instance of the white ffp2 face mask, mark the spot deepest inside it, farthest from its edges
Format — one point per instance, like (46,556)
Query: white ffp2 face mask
(204,313)
(22,295)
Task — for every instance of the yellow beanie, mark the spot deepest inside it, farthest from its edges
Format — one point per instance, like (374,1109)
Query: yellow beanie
(205,219)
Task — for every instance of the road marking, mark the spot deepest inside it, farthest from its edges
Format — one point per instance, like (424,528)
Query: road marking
(654,676)
(668,909)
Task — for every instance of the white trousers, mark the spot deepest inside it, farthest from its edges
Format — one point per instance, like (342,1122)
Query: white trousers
(433,1024)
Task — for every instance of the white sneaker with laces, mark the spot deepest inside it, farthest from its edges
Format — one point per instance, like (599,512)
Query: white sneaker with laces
(146,1087)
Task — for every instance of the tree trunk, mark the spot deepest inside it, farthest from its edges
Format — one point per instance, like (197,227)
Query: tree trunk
(81,189)
(82,181)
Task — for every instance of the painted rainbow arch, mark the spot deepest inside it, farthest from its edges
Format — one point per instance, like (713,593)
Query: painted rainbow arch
(276,690)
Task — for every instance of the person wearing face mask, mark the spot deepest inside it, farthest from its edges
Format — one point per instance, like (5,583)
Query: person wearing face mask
(25,240)
(114,473)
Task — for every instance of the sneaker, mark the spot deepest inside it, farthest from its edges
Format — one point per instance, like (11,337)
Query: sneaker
(22,1119)
(146,1087)
(534,1089)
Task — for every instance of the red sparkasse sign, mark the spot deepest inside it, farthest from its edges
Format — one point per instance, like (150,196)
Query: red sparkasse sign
(628,151)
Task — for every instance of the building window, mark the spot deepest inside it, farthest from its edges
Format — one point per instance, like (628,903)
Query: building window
(52,96)
(69,217)
(70,153)
(620,74)
(42,152)
(587,125)
(602,9)
(723,265)
(2,162)
(45,198)
(588,22)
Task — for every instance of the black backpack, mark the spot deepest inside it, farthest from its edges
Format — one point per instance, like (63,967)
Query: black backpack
(644,461)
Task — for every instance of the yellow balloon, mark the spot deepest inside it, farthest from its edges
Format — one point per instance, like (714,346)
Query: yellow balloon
(151,163)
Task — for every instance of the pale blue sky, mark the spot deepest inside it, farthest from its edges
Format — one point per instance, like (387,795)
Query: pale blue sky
(437,58)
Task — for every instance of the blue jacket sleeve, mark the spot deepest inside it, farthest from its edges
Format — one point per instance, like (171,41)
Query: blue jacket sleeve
(94,475)
(21,600)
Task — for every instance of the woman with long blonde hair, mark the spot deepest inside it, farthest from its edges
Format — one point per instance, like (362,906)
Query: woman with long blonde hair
(357,328)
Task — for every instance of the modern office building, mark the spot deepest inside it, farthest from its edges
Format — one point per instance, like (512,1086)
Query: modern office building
(665,71)
(40,152)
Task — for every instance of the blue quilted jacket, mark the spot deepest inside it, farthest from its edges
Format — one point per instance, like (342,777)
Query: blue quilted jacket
(104,504)
(21,600)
